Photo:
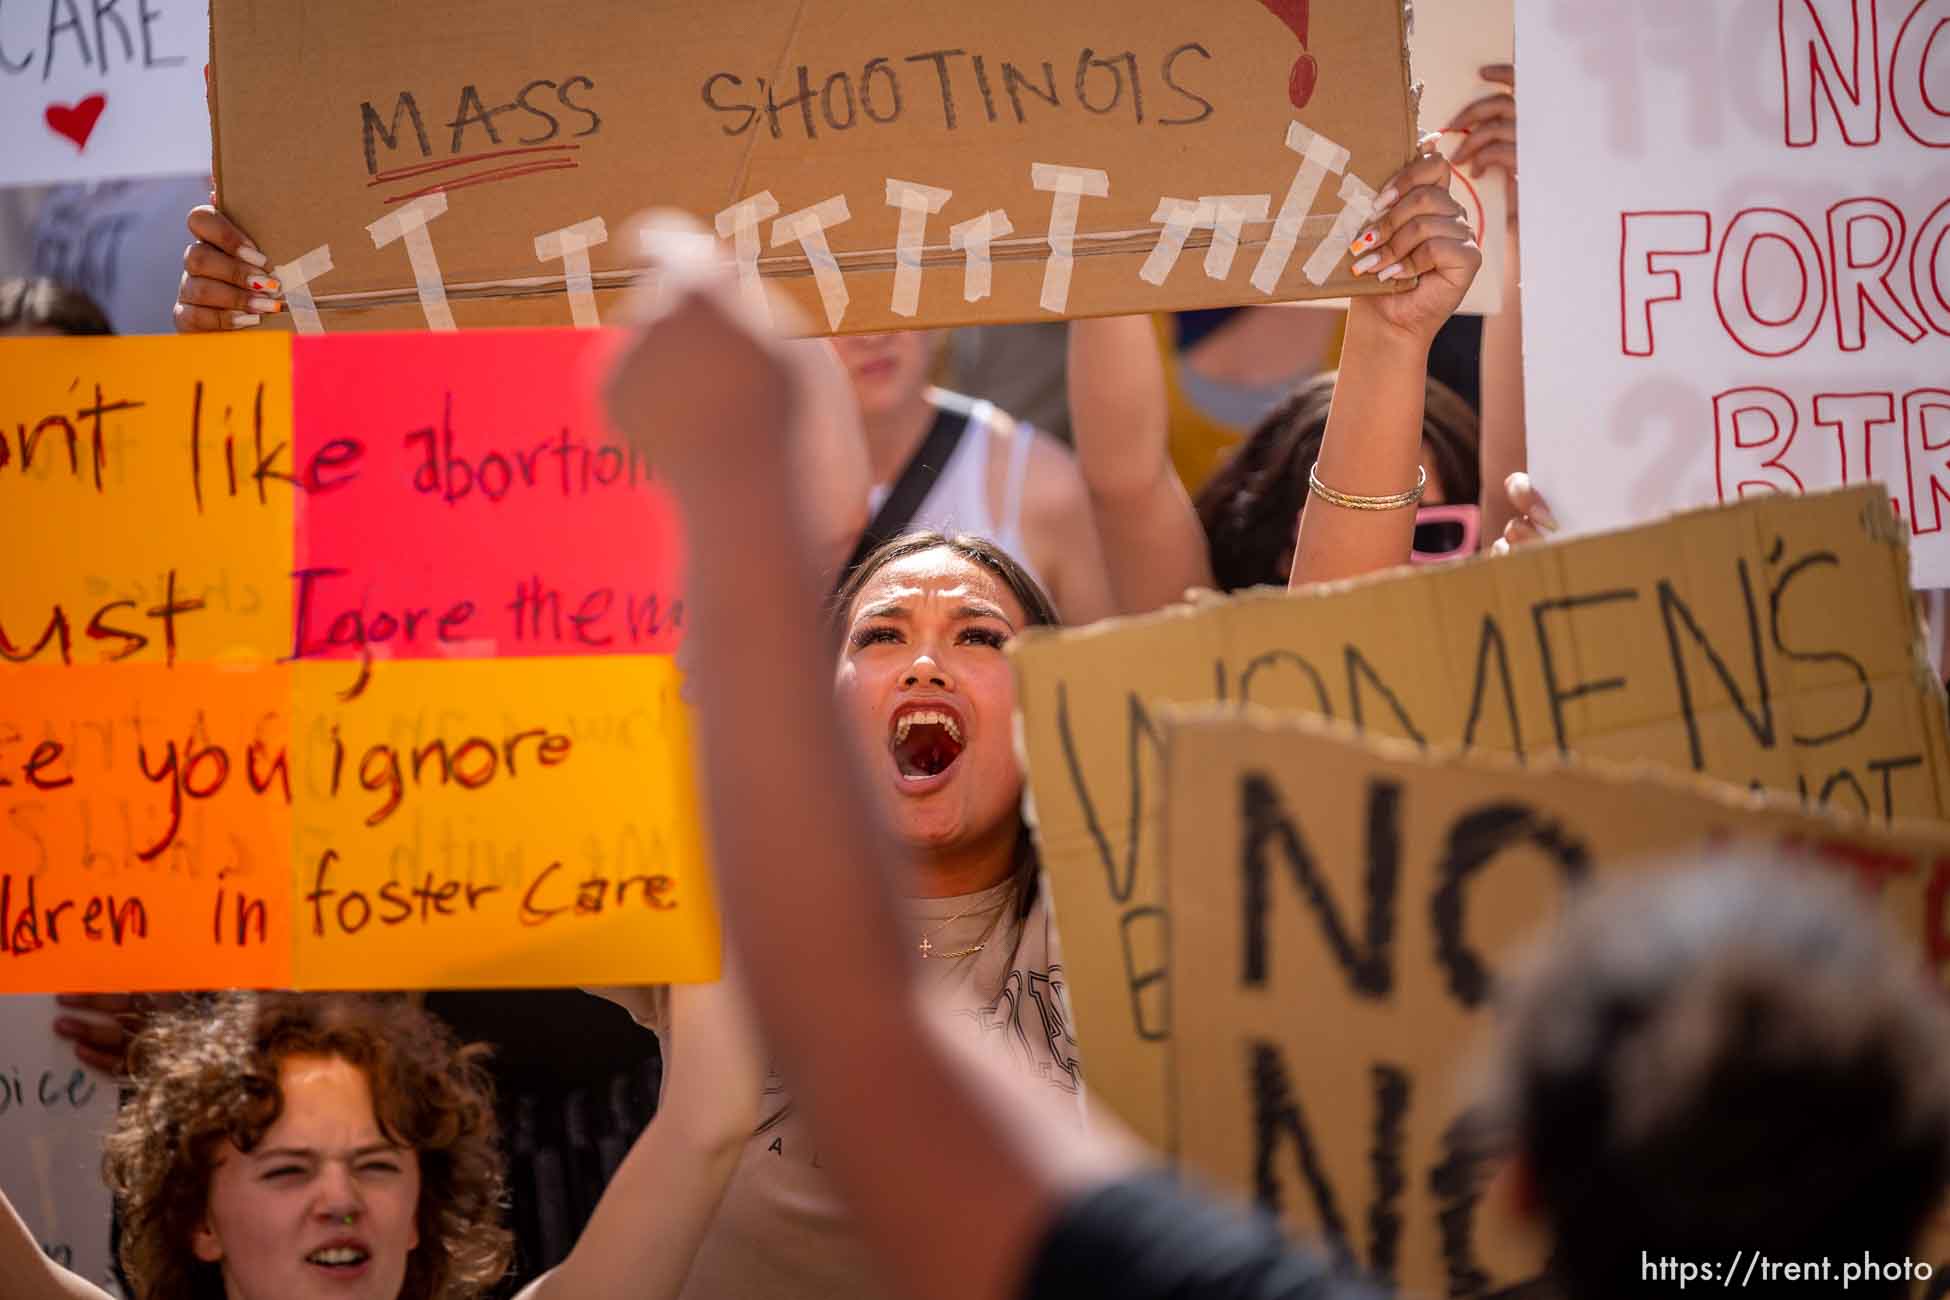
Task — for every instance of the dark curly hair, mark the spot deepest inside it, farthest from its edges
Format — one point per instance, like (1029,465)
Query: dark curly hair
(210,1073)
(1731,1059)
(1248,506)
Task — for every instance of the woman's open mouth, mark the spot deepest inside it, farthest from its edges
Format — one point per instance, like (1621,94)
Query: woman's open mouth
(340,1258)
(925,742)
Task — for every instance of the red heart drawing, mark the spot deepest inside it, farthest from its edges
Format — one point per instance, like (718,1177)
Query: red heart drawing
(77,123)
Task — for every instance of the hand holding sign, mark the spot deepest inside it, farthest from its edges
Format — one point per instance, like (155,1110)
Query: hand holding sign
(1489,129)
(225,284)
(1420,230)
(1532,520)
(102,1040)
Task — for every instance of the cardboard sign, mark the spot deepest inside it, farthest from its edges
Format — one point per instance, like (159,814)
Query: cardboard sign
(91,91)
(339,663)
(1339,911)
(1771,644)
(53,1116)
(891,165)
(1735,256)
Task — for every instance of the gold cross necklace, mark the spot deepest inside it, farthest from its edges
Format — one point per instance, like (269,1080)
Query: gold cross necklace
(926,947)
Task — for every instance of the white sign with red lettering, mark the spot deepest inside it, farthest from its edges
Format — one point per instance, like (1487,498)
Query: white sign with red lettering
(97,89)
(1736,255)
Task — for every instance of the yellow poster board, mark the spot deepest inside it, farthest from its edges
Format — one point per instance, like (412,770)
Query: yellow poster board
(281,705)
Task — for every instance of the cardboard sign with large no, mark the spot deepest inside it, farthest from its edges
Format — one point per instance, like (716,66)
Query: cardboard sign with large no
(1773,644)
(1338,912)
(464,162)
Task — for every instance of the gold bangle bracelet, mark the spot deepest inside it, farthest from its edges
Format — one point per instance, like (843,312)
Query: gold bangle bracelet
(1349,502)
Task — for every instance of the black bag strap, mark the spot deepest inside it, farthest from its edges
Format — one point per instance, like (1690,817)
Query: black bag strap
(917,479)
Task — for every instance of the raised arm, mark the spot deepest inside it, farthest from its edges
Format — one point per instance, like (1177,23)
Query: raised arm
(1153,546)
(639,1243)
(25,1270)
(707,391)
(829,457)
(1059,530)
(1373,444)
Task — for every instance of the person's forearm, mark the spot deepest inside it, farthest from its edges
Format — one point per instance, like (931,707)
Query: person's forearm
(1153,546)
(1372,448)
(640,1242)
(830,458)
(1503,446)
(803,866)
(25,1269)
(1119,416)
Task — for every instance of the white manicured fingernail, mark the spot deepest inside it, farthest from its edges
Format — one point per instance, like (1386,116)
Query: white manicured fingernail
(1385,201)
(255,258)
(264,304)
(1367,264)
(243,320)
(1390,273)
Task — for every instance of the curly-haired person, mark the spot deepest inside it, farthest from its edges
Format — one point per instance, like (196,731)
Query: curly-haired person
(284,1146)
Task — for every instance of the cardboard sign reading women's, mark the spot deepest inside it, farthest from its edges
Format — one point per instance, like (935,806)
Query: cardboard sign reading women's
(1771,644)
(97,89)
(1339,911)
(338,663)
(1737,255)
(888,164)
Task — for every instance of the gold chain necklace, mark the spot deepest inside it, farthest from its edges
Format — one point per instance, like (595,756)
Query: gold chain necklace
(926,948)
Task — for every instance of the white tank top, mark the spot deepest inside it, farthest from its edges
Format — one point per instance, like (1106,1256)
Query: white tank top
(959,500)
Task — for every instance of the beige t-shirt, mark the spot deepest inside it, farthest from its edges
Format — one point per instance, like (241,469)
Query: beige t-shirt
(781,1232)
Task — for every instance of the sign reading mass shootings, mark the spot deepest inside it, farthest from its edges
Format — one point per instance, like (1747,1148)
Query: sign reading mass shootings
(338,663)
(889,164)
(1772,644)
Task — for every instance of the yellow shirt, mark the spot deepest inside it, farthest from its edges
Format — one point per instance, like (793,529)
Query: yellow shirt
(1200,443)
